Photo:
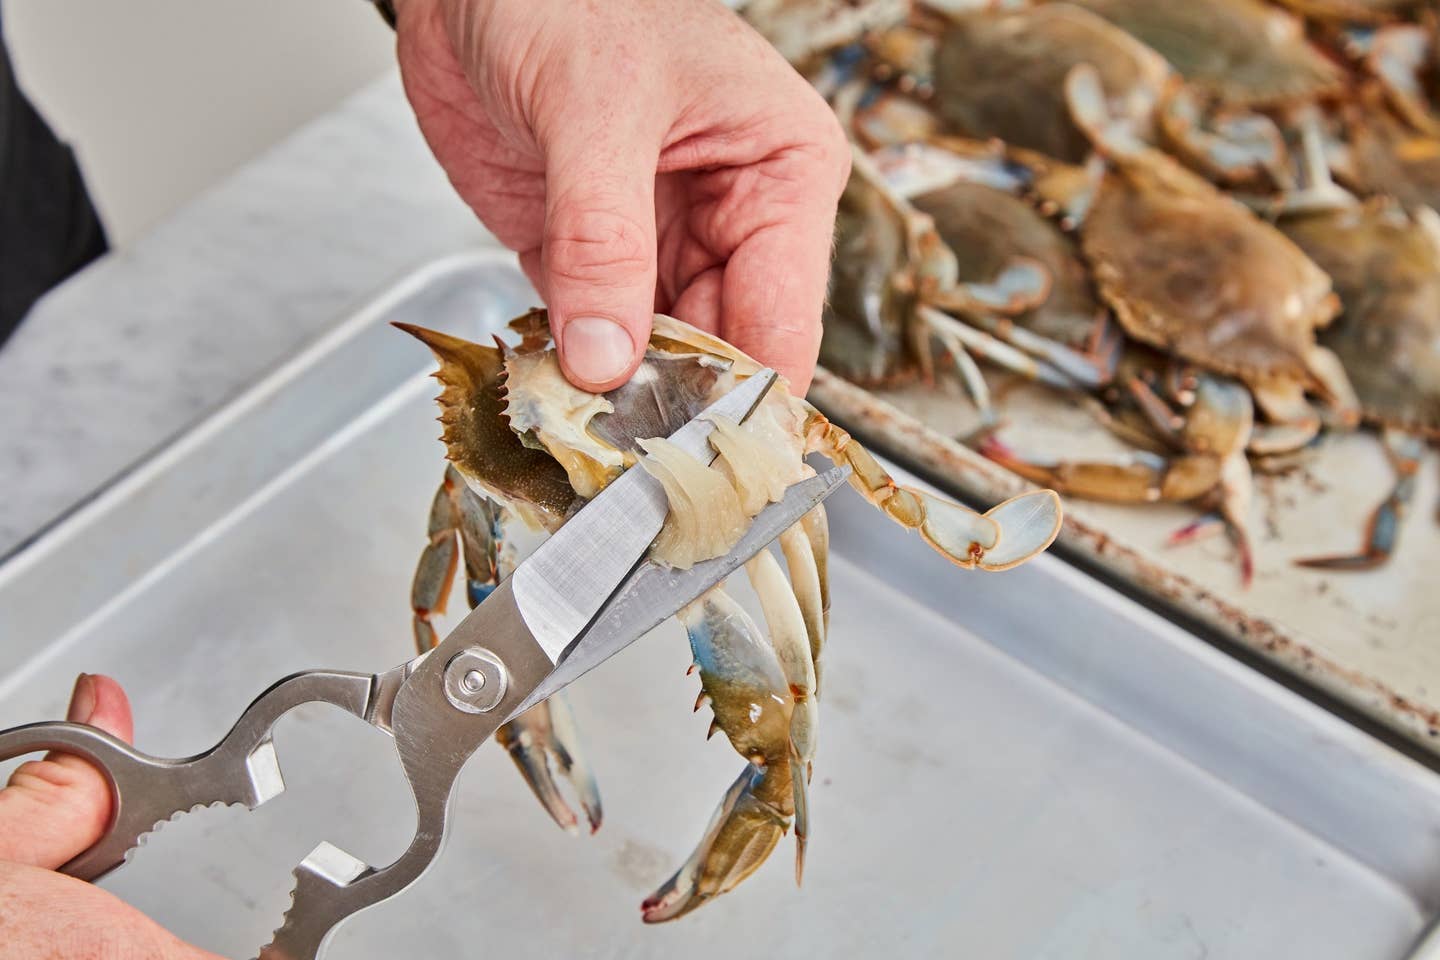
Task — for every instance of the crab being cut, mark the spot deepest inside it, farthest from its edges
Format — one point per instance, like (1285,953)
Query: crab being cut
(468,529)
(518,432)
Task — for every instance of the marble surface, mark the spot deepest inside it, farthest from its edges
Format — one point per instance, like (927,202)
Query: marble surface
(153,337)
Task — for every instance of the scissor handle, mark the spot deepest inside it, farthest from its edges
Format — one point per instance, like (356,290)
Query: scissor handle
(146,791)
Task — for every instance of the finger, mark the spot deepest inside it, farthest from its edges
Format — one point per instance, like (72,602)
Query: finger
(773,293)
(44,914)
(699,303)
(598,253)
(53,809)
(530,266)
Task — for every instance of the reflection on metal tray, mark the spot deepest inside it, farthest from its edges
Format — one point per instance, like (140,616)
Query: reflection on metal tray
(1367,639)
(1011,765)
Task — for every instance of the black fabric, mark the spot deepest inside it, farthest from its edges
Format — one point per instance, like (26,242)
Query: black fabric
(48,226)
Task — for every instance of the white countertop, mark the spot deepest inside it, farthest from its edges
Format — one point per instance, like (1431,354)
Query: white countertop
(153,337)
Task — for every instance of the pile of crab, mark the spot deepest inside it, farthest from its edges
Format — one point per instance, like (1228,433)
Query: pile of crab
(1211,222)
(525,446)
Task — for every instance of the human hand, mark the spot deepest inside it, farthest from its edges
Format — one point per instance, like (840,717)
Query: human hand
(640,156)
(51,811)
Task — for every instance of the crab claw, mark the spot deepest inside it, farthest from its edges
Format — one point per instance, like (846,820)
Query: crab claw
(966,538)
(1143,477)
(741,834)
(1207,525)
(1404,451)
(1022,284)
(545,747)
(1380,537)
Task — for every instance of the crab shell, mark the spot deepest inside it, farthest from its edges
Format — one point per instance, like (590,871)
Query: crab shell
(1002,74)
(1191,271)
(988,227)
(1351,11)
(1241,52)
(1385,265)
(1387,157)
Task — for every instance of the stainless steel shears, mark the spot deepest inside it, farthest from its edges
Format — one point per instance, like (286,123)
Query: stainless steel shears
(584,595)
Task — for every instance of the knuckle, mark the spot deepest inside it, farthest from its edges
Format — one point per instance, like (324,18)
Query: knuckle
(597,246)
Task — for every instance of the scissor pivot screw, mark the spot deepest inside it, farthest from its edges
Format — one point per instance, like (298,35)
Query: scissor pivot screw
(475,680)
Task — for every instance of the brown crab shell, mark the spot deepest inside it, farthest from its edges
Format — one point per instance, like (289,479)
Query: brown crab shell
(1002,75)
(1241,52)
(987,228)
(518,431)
(1191,271)
(1351,11)
(1385,266)
(1387,157)
(477,434)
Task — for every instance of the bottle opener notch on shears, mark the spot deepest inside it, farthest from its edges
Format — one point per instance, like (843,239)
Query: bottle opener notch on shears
(584,595)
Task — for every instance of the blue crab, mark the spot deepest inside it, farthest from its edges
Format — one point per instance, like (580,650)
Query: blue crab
(1385,263)
(518,433)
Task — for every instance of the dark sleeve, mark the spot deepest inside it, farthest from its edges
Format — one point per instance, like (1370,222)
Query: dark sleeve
(48,226)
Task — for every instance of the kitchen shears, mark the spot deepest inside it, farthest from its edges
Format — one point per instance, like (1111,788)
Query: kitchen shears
(584,595)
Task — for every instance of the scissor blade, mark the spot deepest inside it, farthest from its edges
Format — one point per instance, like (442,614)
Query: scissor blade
(569,577)
(654,593)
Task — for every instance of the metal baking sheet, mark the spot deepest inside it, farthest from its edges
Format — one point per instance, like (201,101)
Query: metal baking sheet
(1364,638)
(1014,765)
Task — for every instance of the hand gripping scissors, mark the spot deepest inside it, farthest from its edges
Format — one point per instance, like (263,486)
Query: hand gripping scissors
(583,596)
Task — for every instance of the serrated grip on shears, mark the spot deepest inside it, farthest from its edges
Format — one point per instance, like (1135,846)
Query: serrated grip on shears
(147,791)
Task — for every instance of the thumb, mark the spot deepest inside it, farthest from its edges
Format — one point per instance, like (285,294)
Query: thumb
(597,260)
(53,809)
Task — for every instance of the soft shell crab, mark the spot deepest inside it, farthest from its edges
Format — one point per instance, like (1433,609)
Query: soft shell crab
(518,433)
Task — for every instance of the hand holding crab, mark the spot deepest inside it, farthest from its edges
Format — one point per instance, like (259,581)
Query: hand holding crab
(639,156)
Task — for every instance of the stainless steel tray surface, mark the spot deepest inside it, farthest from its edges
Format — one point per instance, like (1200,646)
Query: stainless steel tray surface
(1364,638)
(1018,765)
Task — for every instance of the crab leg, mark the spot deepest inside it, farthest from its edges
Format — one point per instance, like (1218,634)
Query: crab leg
(1006,535)
(817,530)
(792,647)
(1138,477)
(542,741)
(545,746)
(1145,477)
(743,830)
(1293,422)
(947,328)
(805,581)
(965,365)
(1233,514)
(1047,361)
(742,679)
(1090,370)
(1404,451)
(436,570)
